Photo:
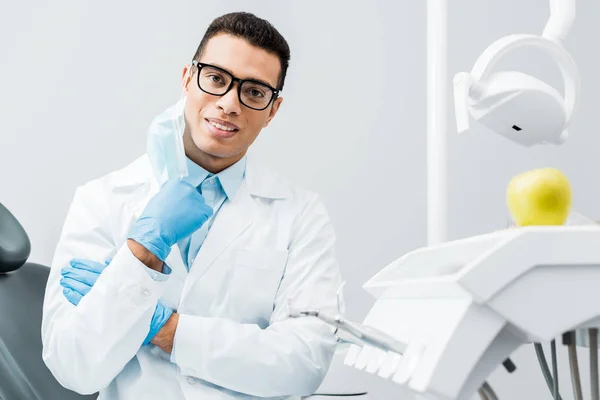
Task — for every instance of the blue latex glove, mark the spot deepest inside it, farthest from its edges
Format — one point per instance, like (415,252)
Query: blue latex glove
(174,213)
(79,277)
(159,318)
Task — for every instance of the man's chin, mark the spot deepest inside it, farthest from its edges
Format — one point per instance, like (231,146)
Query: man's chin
(215,150)
(212,147)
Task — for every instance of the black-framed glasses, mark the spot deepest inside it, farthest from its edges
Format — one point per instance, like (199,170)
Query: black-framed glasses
(217,81)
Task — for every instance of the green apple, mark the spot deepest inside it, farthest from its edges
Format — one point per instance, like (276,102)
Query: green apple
(539,197)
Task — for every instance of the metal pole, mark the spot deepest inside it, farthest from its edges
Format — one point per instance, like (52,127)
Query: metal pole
(437,90)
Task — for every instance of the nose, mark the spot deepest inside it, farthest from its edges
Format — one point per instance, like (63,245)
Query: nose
(230,102)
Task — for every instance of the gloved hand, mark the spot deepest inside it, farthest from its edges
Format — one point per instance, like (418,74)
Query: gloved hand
(79,277)
(174,213)
(159,318)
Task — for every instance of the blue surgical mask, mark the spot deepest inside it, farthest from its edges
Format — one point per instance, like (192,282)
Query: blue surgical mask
(165,143)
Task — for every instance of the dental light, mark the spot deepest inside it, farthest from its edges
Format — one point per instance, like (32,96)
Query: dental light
(513,104)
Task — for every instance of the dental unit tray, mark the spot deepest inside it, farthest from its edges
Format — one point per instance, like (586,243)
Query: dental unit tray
(454,312)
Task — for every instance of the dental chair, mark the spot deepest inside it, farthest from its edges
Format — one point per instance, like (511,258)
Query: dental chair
(23,374)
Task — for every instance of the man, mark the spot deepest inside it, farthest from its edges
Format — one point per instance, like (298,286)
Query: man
(180,290)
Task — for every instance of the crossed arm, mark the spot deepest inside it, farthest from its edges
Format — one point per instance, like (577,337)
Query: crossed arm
(165,336)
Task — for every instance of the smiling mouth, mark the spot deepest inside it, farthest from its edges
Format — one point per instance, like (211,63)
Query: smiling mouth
(222,127)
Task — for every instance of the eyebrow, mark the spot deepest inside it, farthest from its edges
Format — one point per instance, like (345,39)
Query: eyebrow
(245,79)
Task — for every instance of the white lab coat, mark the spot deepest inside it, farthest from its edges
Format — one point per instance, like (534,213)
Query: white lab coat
(273,242)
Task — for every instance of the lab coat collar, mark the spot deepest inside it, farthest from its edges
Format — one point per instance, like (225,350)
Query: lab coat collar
(263,183)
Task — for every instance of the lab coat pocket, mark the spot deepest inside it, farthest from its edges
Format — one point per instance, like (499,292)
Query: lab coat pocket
(257,274)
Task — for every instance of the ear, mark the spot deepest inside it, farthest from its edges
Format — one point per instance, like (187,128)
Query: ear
(273,111)
(186,77)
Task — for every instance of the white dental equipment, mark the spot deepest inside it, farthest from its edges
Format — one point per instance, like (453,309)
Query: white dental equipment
(461,308)
(513,104)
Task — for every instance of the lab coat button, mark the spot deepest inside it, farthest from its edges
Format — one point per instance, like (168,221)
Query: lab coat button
(145,292)
(191,380)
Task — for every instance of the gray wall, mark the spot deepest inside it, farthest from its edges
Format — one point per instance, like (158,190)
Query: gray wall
(81,80)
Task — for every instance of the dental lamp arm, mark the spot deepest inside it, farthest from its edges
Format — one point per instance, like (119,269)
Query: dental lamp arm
(562,16)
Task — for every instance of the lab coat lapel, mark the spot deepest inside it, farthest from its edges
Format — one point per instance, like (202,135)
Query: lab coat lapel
(233,219)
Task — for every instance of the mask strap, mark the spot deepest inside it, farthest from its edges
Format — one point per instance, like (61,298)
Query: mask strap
(188,76)
(182,99)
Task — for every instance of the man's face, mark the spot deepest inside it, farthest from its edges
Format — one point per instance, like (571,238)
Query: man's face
(206,143)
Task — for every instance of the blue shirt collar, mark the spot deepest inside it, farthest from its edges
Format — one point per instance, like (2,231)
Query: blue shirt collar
(230,178)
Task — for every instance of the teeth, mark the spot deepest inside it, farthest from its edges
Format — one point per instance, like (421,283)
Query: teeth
(221,126)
